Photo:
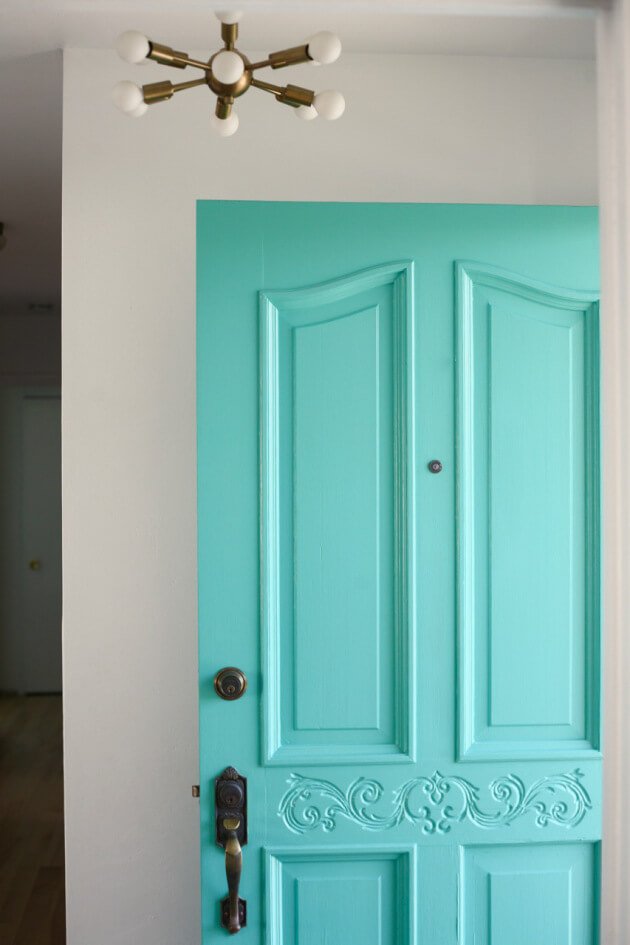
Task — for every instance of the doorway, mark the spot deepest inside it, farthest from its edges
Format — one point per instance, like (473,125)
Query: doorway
(31,767)
(32,856)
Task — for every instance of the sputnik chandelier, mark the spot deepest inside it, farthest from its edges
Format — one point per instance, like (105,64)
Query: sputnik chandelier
(229,74)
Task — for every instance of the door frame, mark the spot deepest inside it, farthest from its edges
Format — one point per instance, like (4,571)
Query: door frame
(613,80)
(613,104)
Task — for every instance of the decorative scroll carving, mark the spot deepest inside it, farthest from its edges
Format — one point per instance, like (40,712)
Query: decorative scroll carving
(435,803)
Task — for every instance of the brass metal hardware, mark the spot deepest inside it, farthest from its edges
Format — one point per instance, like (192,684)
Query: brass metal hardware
(289,95)
(232,907)
(167,56)
(237,72)
(435,466)
(223,107)
(235,89)
(230,683)
(296,96)
(231,834)
(229,34)
(196,790)
(163,91)
(157,92)
(288,57)
(35,564)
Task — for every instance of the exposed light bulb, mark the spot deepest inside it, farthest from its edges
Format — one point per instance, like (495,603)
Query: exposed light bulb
(229,16)
(139,111)
(133,46)
(329,104)
(127,96)
(324,47)
(305,112)
(225,127)
(227,67)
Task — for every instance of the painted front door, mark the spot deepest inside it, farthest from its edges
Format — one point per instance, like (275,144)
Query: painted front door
(399,546)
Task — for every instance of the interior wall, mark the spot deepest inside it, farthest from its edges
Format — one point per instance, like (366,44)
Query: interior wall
(436,129)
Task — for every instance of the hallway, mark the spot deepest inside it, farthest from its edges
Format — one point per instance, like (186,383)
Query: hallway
(32,909)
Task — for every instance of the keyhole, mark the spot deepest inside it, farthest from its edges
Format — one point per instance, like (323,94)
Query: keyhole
(230,683)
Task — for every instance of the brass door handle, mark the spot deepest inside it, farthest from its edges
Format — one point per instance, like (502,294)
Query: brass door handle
(231,833)
(233,870)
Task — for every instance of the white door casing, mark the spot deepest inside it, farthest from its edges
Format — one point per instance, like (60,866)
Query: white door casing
(613,56)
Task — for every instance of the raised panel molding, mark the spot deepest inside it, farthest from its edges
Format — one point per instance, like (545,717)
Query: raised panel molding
(310,339)
(436,803)
(341,893)
(518,895)
(527,364)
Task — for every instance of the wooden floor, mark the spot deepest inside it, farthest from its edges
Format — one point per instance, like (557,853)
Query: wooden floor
(32,909)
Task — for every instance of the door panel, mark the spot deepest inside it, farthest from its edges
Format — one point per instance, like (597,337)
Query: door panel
(420,731)
(327,896)
(519,895)
(527,514)
(336,490)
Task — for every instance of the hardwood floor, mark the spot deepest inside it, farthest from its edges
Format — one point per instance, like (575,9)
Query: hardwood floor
(32,906)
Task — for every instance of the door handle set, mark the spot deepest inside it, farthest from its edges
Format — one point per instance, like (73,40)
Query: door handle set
(230,795)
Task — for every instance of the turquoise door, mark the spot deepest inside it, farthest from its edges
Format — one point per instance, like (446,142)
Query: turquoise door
(399,547)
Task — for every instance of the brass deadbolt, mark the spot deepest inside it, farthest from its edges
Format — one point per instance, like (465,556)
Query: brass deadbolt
(230,683)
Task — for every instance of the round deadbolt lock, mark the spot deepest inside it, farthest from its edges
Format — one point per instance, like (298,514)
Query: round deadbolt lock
(435,466)
(230,794)
(230,683)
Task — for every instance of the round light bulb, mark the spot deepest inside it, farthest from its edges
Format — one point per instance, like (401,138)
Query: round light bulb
(127,96)
(227,67)
(139,111)
(133,46)
(229,16)
(324,47)
(329,104)
(305,112)
(225,127)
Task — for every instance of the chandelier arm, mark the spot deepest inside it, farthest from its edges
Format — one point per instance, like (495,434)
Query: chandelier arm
(229,34)
(283,58)
(259,65)
(196,64)
(293,95)
(166,56)
(191,84)
(223,107)
(276,90)
(296,96)
(163,91)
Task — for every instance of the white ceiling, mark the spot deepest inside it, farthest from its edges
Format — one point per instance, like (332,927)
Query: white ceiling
(31,84)
(29,26)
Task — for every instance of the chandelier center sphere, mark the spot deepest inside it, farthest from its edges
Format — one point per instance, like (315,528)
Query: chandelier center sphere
(216,74)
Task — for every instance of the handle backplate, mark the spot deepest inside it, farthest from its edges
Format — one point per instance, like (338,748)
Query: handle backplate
(231,833)
(230,794)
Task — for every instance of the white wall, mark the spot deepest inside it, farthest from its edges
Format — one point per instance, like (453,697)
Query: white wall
(416,129)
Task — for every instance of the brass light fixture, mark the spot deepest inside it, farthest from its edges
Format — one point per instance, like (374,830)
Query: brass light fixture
(228,73)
